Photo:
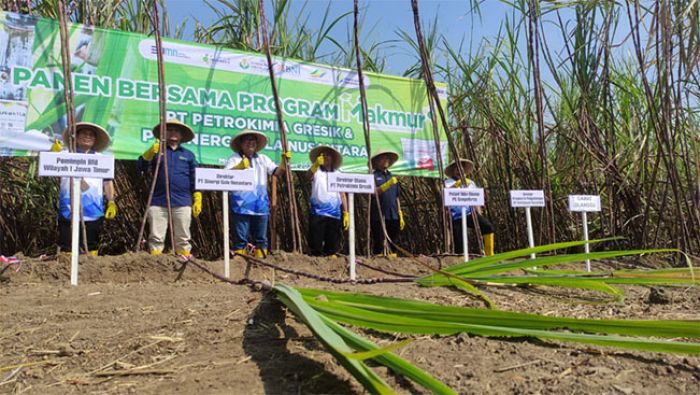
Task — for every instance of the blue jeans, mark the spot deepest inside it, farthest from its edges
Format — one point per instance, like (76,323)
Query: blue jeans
(255,225)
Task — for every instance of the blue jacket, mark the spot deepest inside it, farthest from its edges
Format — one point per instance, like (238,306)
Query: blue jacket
(387,200)
(181,165)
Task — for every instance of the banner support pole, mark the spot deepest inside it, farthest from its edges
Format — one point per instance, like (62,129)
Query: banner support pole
(227,248)
(351,234)
(586,247)
(75,229)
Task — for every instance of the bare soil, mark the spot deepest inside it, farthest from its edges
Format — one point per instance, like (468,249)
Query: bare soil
(190,333)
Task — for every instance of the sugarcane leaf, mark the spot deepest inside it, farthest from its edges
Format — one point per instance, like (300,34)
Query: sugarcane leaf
(378,351)
(400,323)
(494,259)
(390,360)
(407,308)
(330,339)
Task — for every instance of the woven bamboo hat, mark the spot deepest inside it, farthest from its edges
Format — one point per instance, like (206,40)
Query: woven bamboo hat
(393,157)
(102,139)
(451,169)
(325,149)
(236,141)
(187,133)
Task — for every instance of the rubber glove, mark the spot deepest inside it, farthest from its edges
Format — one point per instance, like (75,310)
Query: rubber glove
(56,146)
(402,224)
(317,163)
(283,163)
(244,164)
(196,204)
(151,152)
(346,220)
(111,210)
(385,187)
(457,184)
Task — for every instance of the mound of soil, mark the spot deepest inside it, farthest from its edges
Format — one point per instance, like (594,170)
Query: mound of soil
(144,324)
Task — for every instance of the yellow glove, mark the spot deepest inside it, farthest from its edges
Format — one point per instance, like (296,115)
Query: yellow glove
(346,220)
(457,184)
(197,204)
(151,152)
(402,224)
(283,163)
(244,164)
(384,187)
(318,163)
(111,210)
(56,146)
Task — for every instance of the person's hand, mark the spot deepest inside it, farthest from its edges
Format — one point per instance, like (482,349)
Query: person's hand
(402,224)
(152,151)
(196,204)
(111,210)
(390,183)
(457,184)
(56,146)
(243,165)
(317,163)
(346,220)
(283,162)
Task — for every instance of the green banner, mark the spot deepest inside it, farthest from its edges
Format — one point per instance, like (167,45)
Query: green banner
(217,91)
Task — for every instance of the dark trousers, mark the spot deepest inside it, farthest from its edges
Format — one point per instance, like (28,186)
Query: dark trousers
(392,229)
(324,235)
(485,226)
(92,230)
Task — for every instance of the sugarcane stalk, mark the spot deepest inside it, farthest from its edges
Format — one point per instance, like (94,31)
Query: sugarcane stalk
(162,153)
(68,95)
(296,233)
(366,130)
(435,104)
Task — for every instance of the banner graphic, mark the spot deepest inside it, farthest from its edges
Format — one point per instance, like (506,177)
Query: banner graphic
(218,92)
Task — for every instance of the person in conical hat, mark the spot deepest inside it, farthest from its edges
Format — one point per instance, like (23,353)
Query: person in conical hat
(328,210)
(89,139)
(388,192)
(486,227)
(185,201)
(251,210)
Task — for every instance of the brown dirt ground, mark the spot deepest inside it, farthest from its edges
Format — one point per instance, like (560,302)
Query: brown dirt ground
(195,334)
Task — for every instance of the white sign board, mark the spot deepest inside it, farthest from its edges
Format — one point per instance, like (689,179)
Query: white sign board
(464,197)
(351,183)
(585,203)
(66,164)
(527,198)
(224,180)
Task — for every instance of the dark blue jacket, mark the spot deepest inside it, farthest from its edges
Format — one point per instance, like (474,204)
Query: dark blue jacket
(387,200)
(181,165)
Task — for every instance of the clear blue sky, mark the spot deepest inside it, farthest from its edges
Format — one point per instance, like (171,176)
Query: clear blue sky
(383,18)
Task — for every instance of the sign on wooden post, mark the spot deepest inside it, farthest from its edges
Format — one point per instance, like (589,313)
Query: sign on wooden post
(351,184)
(75,166)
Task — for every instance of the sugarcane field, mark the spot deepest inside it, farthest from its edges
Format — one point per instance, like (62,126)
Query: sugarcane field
(349,197)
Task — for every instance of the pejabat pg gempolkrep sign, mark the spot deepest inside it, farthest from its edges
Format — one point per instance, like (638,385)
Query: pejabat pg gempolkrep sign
(217,91)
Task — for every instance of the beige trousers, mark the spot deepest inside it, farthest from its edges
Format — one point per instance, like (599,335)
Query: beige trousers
(158,221)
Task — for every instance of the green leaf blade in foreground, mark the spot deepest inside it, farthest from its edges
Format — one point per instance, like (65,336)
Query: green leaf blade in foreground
(390,360)
(524,252)
(398,323)
(331,340)
(414,309)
